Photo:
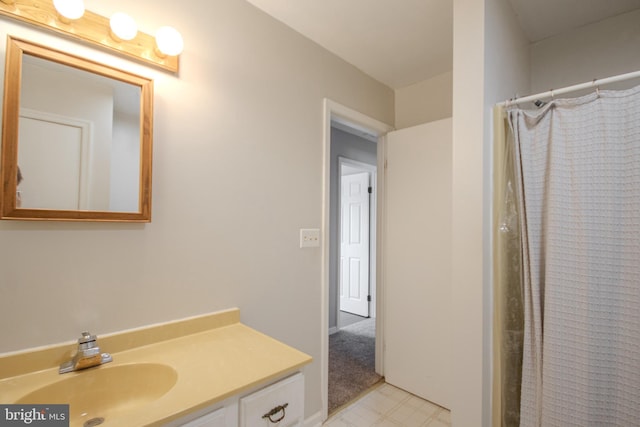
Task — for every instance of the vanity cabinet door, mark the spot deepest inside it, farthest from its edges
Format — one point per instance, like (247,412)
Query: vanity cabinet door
(280,404)
(218,418)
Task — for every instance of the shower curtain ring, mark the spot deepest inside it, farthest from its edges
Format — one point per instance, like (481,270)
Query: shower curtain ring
(597,87)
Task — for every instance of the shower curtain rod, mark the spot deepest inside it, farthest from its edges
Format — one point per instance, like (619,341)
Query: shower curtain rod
(586,85)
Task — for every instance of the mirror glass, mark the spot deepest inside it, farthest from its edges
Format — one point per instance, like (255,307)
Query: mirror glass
(76,138)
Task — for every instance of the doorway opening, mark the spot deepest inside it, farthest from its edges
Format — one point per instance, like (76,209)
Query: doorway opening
(352,340)
(353,153)
(351,121)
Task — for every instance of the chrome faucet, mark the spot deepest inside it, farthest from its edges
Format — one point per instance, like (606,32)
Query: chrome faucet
(88,355)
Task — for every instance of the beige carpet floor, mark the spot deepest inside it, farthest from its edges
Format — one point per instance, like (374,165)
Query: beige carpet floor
(351,363)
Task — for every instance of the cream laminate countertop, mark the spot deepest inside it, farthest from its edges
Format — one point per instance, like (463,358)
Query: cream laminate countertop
(211,366)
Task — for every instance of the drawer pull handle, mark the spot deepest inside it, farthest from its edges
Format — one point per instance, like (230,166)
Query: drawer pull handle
(274,411)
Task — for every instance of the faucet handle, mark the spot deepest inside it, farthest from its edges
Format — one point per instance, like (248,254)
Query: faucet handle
(88,342)
(86,337)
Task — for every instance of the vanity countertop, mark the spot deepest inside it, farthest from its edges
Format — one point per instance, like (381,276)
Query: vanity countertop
(215,357)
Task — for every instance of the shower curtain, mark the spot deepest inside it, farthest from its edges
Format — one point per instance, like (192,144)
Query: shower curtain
(508,311)
(578,176)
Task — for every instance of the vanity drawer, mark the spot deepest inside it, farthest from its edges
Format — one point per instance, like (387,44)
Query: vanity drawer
(280,404)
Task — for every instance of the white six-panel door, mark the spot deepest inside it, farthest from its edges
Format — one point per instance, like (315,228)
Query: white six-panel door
(417,304)
(354,244)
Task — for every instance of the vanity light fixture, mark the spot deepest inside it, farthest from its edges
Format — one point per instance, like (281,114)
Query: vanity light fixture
(89,27)
(70,9)
(169,41)
(123,27)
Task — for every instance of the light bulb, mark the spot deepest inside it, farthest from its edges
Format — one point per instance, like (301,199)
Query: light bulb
(123,26)
(169,41)
(70,9)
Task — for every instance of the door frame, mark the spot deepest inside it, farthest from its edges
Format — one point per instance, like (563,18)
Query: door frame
(355,119)
(373,221)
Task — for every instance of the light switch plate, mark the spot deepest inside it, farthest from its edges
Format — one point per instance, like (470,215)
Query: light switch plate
(309,237)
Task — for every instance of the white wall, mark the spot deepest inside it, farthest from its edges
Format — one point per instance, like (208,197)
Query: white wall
(599,50)
(490,62)
(467,205)
(237,172)
(425,101)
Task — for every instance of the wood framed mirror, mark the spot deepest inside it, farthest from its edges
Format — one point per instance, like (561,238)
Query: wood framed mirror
(76,138)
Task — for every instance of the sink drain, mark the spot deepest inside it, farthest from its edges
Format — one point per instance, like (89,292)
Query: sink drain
(93,422)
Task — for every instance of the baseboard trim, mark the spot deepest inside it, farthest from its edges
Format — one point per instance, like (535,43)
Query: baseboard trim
(314,420)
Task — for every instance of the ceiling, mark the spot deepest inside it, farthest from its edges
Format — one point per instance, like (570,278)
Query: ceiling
(402,42)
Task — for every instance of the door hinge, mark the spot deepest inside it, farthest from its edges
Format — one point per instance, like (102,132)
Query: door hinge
(370,190)
(369,298)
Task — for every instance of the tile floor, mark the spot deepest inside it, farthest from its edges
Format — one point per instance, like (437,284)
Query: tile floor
(386,405)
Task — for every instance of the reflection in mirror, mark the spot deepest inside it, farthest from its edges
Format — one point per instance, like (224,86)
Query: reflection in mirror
(79,133)
(78,139)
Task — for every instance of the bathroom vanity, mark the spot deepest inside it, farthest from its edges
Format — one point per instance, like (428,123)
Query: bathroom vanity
(204,371)
(279,404)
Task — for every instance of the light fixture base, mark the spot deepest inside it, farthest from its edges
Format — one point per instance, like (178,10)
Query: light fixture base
(90,28)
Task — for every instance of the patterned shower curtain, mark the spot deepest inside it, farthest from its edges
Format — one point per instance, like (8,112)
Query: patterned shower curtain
(578,175)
